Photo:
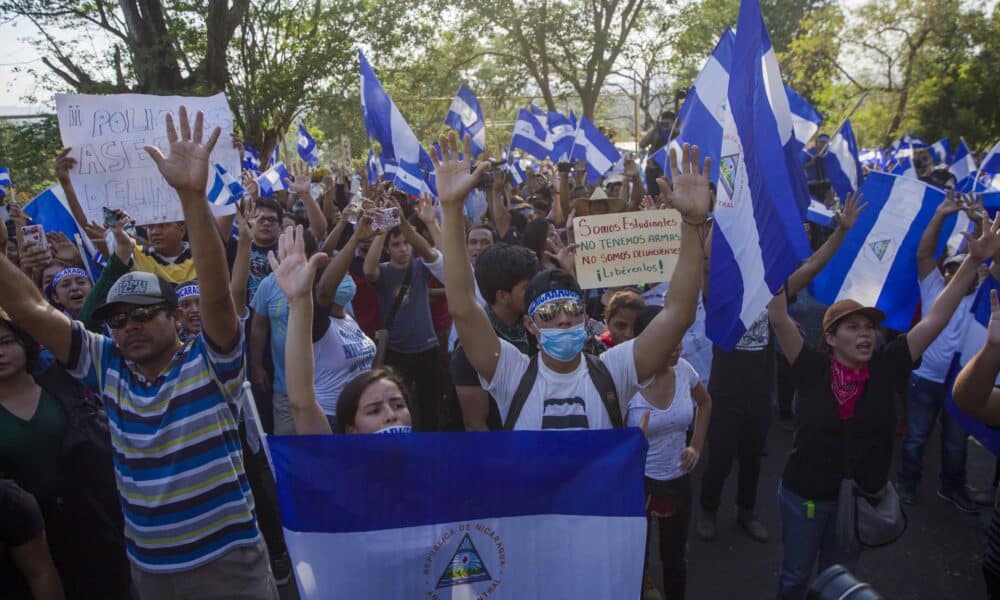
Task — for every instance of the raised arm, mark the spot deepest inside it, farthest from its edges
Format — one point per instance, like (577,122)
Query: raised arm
(498,208)
(634,180)
(295,276)
(241,264)
(186,170)
(370,266)
(975,392)
(29,309)
(427,213)
(926,261)
(62,165)
(927,330)
(784,327)
(421,247)
(454,181)
(801,277)
(334,273)
(692,197)
(301,186)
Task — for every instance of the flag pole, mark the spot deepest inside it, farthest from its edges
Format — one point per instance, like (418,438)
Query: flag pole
(850,114)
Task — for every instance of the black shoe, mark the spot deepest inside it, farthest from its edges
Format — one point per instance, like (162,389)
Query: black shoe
(982,497)
(907,495)
(281,567)
(959,500)
(753,526)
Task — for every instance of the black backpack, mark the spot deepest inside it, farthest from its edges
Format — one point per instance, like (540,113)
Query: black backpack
(599,374)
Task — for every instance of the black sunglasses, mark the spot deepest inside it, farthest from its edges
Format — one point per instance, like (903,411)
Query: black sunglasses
(139,314)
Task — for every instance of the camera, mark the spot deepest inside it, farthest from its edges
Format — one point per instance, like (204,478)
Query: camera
(837,583)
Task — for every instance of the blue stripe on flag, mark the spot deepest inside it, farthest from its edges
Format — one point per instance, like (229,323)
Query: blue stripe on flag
(344,483)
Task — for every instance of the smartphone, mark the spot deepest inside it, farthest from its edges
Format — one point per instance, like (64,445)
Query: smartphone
(112,218)
(34,235)
(385,219)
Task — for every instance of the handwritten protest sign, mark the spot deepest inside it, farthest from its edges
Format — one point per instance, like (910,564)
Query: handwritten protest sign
(108,133)
(627,248)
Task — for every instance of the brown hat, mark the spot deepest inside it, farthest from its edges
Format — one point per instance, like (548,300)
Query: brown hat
(845,308)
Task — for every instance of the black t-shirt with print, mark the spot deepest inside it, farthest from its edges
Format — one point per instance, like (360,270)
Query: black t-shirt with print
(748,370)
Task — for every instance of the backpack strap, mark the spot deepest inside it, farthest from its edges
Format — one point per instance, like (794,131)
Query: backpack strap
(601,376)
(521,394)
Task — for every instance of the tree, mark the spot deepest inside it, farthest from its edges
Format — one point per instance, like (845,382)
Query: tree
(27,149)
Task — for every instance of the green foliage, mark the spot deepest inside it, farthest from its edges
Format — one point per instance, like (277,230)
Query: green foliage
(27,149)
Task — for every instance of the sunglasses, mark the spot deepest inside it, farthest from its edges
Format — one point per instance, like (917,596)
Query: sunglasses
(266,220)
(139,314)
(550,310)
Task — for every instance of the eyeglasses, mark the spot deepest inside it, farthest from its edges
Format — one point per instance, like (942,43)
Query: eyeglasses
(139,314)
(550,310)
(266,220)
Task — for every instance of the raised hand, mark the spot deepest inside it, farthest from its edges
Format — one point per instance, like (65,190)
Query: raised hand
(63,164)
(988,242)
(631,168)
(692,196)
(454,181)
(250,183)
(972,204)
(294,273)
(186,166)
(364,229)
(124,244)
(62,248)
(565,256)
(849,213)
(426,211)
(302,179)
(950,205)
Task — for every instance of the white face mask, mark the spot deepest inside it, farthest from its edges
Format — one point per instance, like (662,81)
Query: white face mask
(395,429)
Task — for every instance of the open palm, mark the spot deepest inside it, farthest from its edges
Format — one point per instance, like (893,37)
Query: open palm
(692,195)
(454,181)
(294,273)
(186,165)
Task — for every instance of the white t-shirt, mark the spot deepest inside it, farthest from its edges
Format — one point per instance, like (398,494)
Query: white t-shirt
(667,426)
(696,347)
(343,352)
(937,357)
(561,400)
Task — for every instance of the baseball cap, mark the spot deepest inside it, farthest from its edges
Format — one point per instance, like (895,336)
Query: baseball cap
(137,287)
(845,308)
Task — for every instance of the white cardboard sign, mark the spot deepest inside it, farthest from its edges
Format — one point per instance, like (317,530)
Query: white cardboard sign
(627,248)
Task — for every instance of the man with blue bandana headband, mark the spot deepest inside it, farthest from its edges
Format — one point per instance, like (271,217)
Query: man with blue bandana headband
(188,310)
(565,393)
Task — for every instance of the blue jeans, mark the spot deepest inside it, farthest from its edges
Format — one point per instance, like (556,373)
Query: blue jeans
(805,539)
(924,402)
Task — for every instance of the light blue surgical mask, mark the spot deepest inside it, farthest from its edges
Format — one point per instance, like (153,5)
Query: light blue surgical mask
(345,291)
(563,344)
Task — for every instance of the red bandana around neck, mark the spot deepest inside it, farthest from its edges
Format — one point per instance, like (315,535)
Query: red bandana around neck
(847,385)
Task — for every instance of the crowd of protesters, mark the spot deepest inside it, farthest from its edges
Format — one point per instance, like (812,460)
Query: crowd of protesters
(355,311)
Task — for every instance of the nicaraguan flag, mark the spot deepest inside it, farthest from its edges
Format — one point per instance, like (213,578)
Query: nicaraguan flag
(758,239)
(873,159)
(307,147)
(386,124)
(591,145)
(819,214)
(5,183)
(903,167)
(409,178)
(940,151)
(465,116)
(50,209)
(991,163)
(877,262)
(517,173)
(962,164)
(841,162)
(225,191)
(973,341)
(251,159)
(541,115)
(388,516)
(906,144)
(563,130)
(805,119)
(373,167)
(273,180)
(530,135)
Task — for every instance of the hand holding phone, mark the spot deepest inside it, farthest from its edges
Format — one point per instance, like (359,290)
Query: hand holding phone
(34,235)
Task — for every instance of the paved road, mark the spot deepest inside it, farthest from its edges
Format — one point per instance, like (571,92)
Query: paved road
(937,559)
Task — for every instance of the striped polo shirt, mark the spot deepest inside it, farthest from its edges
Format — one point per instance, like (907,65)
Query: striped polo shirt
(177,455)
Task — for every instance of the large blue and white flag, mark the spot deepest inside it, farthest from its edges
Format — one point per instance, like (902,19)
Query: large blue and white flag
(805,119)
(387,516)
(758,239)
(386,124)
(530,135)
(373,167)
(877,262)
(51,210)
(973,340)
(307,147)
(962,163)
(591,145)
(251,159)
(225,191)
(940,151)
(541,115)
(273,180)
(409,178)
(5,183)
(563,130)
(466,117)
(841,162)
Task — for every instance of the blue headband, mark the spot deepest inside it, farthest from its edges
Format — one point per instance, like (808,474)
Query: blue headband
(186,291)
(69,272)
(551,295)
